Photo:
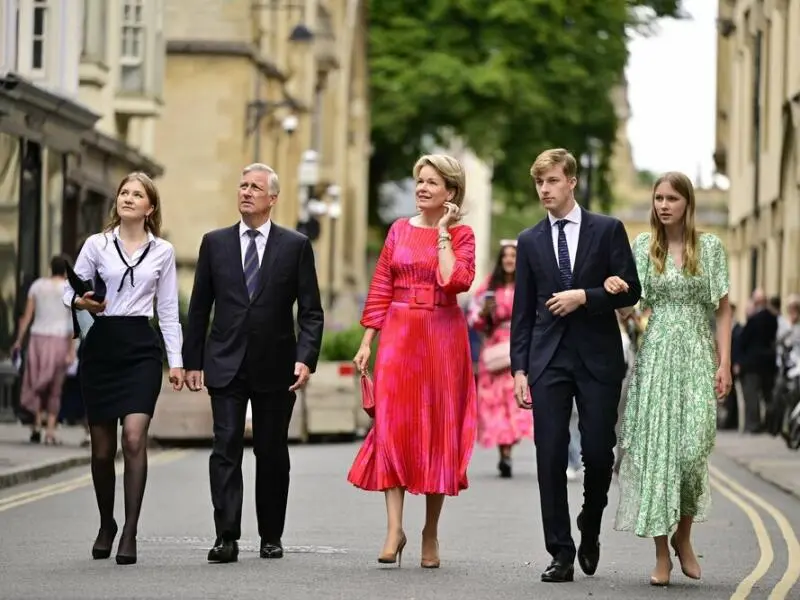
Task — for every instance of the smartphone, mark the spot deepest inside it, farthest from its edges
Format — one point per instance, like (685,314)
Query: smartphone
(489,294)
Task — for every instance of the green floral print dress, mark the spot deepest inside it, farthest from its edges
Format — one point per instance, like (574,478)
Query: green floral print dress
(669,425)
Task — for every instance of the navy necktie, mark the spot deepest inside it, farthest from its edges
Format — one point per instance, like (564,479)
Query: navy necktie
(251,263)
(564,266)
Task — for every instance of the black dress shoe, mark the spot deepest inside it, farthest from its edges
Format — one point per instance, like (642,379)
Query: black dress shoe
(504,466)
(271,549)
(589,549)
(559,571)
(224,552)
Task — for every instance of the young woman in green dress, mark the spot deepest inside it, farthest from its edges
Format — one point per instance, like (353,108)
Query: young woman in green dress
(669,424)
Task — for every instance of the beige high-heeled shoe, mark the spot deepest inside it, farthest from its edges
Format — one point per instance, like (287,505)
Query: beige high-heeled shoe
(430,563)
(661,581)
(396,556)
(690,575)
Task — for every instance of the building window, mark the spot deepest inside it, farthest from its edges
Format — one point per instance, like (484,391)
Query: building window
(39,37)
(132,55)
(94,29)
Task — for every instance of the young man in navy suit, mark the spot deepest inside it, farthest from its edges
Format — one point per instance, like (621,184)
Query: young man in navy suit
(565,343)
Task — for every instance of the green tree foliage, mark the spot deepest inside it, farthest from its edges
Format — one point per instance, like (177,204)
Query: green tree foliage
(510,77)
(646,178)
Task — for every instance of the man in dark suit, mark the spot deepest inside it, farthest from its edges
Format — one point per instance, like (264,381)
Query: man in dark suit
(252,274)
(757,363)
(565,343)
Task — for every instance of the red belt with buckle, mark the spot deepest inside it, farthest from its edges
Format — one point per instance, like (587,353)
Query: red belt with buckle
(424,296)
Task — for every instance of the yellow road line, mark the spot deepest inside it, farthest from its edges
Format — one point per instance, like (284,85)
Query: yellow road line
(766,552)
(78,482)
(792,573)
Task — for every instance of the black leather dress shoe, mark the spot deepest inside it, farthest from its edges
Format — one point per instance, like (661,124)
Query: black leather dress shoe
(589,549)
(224,552)
(271,549)
(559,571)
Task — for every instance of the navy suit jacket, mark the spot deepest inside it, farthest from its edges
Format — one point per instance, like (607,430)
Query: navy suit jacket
(603,250)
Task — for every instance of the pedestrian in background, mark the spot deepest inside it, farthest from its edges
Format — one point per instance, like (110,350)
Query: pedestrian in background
(501,422)
(121,363)
(424,430)
(49,352)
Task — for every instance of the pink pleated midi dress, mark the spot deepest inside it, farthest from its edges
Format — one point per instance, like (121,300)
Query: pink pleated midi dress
(425,400)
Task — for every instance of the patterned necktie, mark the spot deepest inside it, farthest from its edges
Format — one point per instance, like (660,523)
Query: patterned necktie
(564,266)
(251,263)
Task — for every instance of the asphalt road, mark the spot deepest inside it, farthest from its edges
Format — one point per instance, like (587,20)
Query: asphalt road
(491,542)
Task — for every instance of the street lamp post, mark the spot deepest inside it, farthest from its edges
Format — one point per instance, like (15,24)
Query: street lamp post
(334,210)
(310,207)
(588,164)
(258,108)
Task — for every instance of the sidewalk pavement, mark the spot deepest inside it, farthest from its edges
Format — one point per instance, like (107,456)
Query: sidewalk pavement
(765,456)
(22,461)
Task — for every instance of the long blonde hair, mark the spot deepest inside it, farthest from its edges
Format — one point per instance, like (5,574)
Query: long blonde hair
(658,236)
(152,223)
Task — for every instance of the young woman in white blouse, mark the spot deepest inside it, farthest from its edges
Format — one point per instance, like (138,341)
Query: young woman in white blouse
(121,359)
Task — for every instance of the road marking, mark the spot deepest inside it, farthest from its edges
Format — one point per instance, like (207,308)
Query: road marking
(766,552)
(792,573)
(73,484)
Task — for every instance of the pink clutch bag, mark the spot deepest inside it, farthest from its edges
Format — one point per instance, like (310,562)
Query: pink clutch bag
(367,395)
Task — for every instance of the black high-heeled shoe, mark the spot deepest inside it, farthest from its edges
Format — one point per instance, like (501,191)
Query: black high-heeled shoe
(127,558)
(102,550)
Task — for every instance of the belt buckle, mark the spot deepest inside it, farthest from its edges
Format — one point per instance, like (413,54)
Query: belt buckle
(423,297)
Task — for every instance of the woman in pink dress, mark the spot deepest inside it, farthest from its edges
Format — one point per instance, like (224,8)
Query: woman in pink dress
(425,408)
(501,422)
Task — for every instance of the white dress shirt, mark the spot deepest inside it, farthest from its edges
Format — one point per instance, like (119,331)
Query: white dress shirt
(156,277)
(261,240)
(572,232)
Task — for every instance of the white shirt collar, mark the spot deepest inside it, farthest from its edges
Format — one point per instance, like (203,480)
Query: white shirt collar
(573,216)
(150,237)
(263,230)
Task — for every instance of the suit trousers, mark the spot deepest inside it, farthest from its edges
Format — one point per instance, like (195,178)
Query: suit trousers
(271,413)
(566,377)
(757,387)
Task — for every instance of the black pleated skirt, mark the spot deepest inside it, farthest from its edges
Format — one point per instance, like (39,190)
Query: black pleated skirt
(120,368)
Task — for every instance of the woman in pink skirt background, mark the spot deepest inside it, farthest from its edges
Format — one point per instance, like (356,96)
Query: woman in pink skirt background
(50,350)
(501,422)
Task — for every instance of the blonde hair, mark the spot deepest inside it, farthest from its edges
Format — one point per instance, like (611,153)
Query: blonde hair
(152,222)
(658,238)
(450,170)
(553,158)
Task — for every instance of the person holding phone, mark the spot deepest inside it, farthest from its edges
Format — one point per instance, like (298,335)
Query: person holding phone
(501,422)
(121,358)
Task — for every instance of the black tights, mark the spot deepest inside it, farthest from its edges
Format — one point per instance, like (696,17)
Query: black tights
(134,451)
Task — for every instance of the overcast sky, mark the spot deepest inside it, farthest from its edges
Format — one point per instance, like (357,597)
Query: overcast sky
(672,92)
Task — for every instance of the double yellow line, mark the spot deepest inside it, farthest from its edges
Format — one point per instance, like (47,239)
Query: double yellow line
(73,484)
(747,501)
